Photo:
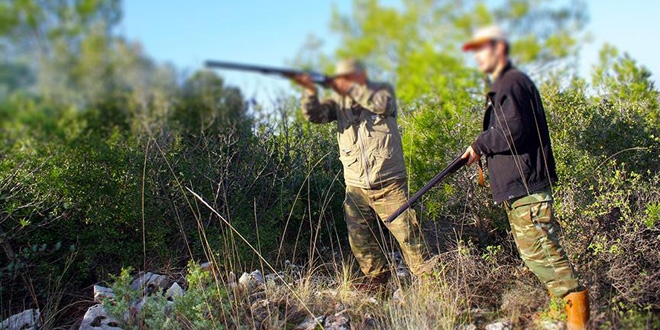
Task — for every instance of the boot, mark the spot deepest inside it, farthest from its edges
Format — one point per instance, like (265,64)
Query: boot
(577,310)
(373,284)
(429,265)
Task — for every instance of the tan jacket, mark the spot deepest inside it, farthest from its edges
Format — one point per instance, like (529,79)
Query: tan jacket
(369,141)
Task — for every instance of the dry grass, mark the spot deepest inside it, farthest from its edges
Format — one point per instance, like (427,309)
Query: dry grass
(463,290)
(468,287)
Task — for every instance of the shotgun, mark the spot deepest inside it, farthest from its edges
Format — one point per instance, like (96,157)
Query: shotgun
(318,78)
(457,163)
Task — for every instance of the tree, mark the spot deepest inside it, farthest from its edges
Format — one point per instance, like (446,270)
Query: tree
(64,43)
(418,46)
(40,25)
(207,103)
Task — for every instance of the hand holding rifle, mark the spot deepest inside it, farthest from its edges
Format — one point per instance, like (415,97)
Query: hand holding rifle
(339,84)
(305,80)
(470,156)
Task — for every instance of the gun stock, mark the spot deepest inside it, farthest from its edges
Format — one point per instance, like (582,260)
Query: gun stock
(456,164)
(318,78)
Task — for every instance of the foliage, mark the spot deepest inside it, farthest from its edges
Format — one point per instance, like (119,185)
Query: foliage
(607,154)
(203,306)
(100,146)
(42,24)
(418,45)
(84,186)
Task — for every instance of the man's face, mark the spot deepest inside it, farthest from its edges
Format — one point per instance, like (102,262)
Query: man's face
(354,77)
(487,57)
(342,84)
(345,79)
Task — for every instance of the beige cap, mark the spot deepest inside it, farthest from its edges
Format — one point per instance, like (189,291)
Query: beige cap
(348,66)
(483,35)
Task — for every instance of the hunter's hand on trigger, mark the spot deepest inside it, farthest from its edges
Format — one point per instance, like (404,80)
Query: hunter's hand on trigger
(305,81)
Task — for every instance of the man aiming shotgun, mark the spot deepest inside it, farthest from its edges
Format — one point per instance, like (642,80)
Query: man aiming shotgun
(372,156)
(371,152)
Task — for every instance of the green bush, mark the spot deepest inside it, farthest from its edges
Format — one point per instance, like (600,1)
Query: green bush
(113,193)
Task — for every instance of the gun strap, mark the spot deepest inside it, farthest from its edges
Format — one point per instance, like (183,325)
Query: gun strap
(480,179)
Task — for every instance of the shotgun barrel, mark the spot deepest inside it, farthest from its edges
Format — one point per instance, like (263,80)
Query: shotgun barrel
(318,78)
(456,164)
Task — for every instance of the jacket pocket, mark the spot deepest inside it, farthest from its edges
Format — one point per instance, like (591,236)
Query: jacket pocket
(348,160)
(379,123)
(353,171)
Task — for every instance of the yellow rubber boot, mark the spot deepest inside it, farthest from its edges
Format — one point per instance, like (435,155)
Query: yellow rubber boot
(577,310)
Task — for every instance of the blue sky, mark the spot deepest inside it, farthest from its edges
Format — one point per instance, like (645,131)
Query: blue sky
(186,33)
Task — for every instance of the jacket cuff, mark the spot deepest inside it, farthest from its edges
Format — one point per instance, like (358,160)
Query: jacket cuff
(309,100)
(307,94)
(476,148)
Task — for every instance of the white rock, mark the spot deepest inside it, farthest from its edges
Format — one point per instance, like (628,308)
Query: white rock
(160,281)
(372,300)
(101,292)
(244,280)
(25,320)
(174,291)
(552,325)
(96,318)
(251,282)
(141,281)
(502,325)
(256,275)
(338,321)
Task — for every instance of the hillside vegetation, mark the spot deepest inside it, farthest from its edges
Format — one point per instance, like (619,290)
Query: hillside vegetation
(102,150)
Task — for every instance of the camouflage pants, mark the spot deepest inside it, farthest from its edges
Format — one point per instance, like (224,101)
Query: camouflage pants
(535,231)
(363,208)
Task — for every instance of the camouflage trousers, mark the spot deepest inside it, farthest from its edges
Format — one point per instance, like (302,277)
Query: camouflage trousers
(535,231)
(363,209)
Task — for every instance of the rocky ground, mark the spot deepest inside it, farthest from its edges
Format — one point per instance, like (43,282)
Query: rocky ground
(254,291)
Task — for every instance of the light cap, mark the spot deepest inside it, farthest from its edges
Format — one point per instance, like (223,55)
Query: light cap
(348,66)
(484,35)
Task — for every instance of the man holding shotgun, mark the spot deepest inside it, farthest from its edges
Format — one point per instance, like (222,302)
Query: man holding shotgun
(516,144)
(374,171)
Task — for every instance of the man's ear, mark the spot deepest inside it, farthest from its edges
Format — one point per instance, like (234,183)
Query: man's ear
(361,77)
(501,48)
